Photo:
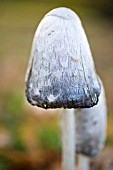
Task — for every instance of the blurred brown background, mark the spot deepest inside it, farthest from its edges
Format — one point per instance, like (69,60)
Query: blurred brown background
(30,138)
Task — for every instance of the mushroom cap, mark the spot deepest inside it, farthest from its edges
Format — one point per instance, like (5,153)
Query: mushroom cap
(91,127)
(61,70)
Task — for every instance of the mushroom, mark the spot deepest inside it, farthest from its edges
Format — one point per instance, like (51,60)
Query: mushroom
(91,130)
(61,73)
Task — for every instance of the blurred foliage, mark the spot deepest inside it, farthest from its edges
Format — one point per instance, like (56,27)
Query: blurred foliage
(109,141)
(49,138)
(4,163)
(17,140)
(13,108)
(104,6)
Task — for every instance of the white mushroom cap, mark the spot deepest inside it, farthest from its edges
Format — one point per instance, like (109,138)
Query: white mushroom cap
(91,127)
(64,13)
(61,71)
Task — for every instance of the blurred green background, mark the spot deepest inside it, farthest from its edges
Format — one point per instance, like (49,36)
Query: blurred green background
(30,137)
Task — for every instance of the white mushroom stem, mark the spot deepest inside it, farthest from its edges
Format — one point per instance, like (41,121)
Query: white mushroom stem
(68,139)
(83,162)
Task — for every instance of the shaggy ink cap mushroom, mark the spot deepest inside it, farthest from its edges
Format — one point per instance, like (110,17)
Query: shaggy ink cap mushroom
(61,71)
